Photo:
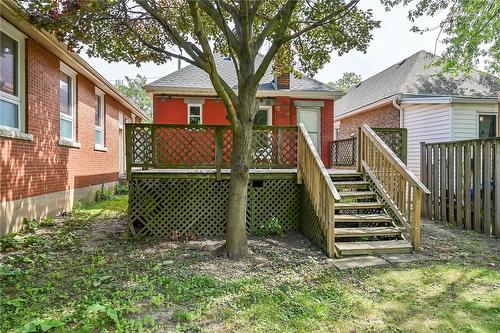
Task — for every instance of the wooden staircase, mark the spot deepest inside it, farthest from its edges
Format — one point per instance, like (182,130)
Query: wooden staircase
(362,225)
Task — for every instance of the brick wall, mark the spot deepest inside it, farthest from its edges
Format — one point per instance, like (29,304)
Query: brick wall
(386,116)
(41,166)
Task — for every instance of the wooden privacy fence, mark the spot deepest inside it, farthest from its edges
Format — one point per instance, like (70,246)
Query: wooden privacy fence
(464,177)
(399,188)
(320,188)
(343,152)
(161,146)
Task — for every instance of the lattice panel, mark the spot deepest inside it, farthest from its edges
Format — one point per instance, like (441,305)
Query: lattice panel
(276,198)
(185,146)
(309,221)
(343,152)
(141,145)
(162,207)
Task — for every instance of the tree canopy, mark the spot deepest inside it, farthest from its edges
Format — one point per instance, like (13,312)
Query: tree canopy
(470,30)
(346,82)
(133,88)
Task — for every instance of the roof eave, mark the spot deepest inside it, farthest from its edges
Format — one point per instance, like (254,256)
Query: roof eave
(381,102)
(10,9)
(318,94)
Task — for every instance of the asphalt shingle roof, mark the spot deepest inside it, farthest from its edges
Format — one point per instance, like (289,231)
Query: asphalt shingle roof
(414,76)
(191,77)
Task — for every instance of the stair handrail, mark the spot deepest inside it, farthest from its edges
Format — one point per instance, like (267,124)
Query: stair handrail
(322,192)
(395,182)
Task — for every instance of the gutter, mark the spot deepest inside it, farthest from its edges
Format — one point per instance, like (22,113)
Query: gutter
(397,105)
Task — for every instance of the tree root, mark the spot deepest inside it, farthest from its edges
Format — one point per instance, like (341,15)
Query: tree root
(224,252)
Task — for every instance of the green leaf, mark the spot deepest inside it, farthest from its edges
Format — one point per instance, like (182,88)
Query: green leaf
(112,314)
(47,325)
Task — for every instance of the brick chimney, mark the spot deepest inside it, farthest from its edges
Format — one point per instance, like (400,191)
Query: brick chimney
(283,81)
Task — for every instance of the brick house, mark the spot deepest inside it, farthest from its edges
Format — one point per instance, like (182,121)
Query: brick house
(434,107)
(186,96)
(61,125)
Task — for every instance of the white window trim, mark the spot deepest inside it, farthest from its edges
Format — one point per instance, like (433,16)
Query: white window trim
(19,100)
(201,112)
(72,74)
(101,145)
(479,114)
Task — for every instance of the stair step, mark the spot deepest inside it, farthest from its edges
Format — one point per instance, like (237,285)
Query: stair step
(358,205)
(356,184)
(357,195)
(366,232)
(353,176)
(374,247)
(371,218)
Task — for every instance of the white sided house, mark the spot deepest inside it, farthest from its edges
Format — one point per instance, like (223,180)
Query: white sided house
(434,107)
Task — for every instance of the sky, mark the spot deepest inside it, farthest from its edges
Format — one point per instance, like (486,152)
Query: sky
(391,43)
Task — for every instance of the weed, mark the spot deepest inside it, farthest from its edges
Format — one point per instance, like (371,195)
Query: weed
(121,190)
(272,227)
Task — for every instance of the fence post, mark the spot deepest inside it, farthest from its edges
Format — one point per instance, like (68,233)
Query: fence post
(423,174)
(218,152)
(359,147)
(404,145)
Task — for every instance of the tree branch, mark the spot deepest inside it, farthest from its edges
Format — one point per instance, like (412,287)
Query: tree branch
(225,92)
(217,16)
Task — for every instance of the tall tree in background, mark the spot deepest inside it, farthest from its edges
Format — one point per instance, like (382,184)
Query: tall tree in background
(346,82)
(471,31)
(133,89)
(291,34)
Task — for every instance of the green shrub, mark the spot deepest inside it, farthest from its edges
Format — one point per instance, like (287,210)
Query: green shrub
(272,227)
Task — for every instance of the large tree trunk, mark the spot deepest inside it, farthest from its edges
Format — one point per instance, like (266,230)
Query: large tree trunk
(236,235)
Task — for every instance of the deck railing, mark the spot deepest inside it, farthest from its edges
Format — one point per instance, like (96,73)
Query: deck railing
(464,177)
(159,146)
(322,192)
(343,152)
(397,185)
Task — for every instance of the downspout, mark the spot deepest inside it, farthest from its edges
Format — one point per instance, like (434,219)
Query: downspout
(395,103)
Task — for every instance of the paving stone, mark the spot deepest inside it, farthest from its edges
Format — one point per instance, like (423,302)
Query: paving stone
(358,262)
(400,258)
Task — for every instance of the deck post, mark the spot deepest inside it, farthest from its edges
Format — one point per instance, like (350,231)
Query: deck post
(359,147)
(417,209)
(128,150)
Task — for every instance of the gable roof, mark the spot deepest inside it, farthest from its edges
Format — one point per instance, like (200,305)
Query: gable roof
(416,76)
(191,78)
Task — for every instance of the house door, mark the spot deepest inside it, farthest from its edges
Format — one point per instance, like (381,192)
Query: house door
(310,117)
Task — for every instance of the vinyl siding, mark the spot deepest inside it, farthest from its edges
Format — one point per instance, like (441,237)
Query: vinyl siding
(465,119)
(425,123)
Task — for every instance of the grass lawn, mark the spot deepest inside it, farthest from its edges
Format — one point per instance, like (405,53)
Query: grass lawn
(81,275)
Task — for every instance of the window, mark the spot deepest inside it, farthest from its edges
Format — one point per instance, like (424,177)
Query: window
(99,118)
(11,77)
(263,117)
(67,106)
(194,114)
(487,126)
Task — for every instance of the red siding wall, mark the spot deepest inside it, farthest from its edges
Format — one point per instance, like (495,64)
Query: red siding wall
(174,111)
(29,168)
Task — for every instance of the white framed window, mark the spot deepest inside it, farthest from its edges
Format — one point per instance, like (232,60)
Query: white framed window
(194,114)
(99,118)
(12,78)
(67,106)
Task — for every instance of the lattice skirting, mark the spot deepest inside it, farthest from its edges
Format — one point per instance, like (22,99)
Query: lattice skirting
(309,221)
(164,207)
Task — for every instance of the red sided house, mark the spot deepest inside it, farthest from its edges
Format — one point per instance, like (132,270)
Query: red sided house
(61,125)
(186,96)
